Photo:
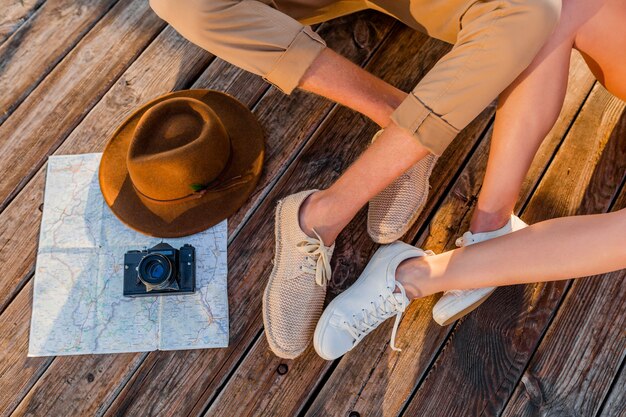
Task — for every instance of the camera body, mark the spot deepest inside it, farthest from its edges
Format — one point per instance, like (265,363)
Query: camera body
(160,270)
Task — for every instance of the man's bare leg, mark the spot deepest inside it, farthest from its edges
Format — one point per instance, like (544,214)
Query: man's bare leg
(395,151)
(329,211)
(557,249)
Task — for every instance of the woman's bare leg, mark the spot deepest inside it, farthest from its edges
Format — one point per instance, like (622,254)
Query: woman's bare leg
(557,249)
(526,112)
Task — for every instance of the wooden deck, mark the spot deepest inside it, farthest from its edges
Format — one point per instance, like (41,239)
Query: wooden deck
(71,70)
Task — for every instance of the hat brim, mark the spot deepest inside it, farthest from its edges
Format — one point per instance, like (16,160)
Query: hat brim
(196,215)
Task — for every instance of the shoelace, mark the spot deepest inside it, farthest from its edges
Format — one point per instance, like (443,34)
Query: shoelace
(318,259)
(379,311)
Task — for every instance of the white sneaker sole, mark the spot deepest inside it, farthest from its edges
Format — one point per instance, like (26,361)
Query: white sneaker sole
(457,307)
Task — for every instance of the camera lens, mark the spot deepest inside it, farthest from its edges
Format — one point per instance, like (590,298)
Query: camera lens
(155,270)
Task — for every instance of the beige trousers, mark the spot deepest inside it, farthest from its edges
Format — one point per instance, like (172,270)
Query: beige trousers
(494,40)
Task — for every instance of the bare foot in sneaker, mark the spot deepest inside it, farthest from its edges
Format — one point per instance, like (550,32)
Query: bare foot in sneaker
(455,304)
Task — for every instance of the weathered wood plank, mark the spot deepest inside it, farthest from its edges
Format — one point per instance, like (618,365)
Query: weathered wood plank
(14,14)
(33,50)
(490,349)
(224,77)
(373,387)
(53,109)
(573,367)
(615,405)
(17,373)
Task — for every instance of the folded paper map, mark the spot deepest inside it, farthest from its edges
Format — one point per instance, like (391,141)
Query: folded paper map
(78,307)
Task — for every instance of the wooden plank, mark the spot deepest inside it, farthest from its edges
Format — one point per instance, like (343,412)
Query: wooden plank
(575,364)
(17,373)
(14,14)
(573,368)
(45,118)
(373,387)
(309,110)
(489,350)
(147,77)
(615,404)
(22,67)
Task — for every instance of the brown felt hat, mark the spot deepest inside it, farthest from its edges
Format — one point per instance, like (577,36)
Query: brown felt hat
(182,163)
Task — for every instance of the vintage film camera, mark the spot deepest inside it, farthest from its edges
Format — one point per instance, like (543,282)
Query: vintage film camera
(160,270)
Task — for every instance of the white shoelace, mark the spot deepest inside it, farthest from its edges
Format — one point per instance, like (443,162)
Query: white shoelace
(378,312)
(318,259)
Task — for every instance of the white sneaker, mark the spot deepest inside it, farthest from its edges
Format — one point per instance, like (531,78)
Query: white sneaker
(357,311)
(455,304)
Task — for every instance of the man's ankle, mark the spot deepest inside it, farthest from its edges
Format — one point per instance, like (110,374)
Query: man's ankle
(312,210)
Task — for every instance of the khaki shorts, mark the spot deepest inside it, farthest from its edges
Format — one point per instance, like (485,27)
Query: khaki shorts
(494,41)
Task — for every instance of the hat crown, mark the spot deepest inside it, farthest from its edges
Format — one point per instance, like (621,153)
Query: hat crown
(178,147)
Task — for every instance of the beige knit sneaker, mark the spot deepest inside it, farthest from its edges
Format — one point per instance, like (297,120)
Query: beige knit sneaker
(394,210)
(294,295)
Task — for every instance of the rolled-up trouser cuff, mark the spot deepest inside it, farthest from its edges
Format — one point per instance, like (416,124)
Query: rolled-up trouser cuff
(432,132)
(296,59)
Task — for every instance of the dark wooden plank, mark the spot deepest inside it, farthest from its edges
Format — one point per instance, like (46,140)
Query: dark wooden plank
(489,350)
(310,110)
(33,50)
(574,366)
(17,373)
(14,14)
(615,404)
(373,386)
(53,109)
